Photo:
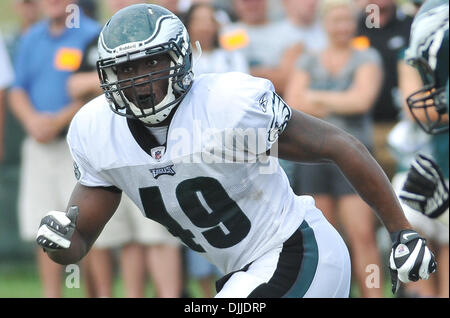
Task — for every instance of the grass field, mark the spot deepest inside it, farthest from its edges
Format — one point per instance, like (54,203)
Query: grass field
(21,280)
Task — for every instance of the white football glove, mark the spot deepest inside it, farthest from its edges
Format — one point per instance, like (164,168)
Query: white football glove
(425,189)
(56,229)
(410,258)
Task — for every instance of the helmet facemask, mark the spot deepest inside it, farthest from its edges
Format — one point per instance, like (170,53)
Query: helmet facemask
(429,102)
(428,53)
(178,77)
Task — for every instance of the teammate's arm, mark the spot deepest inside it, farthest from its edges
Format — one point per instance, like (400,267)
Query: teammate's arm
(307,139)
(95,207)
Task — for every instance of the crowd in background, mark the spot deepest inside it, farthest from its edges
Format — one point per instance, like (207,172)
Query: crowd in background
(332,59)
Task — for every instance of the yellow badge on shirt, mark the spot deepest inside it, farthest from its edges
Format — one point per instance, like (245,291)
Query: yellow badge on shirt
(233,40)
(68,59)
(361,43)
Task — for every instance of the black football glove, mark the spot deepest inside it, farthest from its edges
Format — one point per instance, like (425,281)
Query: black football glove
(410,258)
(425,189)
(56,229)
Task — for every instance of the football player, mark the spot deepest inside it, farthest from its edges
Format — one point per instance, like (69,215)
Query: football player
(198,156)
(426,189)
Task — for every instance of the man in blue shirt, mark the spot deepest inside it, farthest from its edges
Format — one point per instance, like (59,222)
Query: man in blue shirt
(46,57)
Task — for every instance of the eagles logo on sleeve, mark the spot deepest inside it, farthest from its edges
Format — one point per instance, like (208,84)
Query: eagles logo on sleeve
(281,113)
(76,171)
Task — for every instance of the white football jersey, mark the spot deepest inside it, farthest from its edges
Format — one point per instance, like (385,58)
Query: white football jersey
(212,184)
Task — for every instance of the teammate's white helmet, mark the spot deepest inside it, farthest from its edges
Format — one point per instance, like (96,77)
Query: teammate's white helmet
(141,31)
(428,53)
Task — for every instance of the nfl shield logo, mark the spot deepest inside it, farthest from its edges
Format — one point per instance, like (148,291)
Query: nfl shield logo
(158,152)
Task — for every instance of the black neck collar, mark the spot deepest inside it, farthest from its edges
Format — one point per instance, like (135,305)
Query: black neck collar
(145,139)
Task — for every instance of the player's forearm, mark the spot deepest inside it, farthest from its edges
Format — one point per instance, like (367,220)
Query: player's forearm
(369,180)
(77,250)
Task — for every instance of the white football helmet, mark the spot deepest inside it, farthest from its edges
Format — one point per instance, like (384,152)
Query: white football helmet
(137,32)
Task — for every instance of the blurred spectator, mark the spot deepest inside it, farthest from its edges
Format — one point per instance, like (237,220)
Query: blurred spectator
(340,85)
(145,247)
(171,5)
(302,30)
(259,40)
(361,5)
(28,12)
(302,24)
(85,85)
(222,9)
(6,77)
(388,39)
(218,4)
(47,55)
(203,27)
(90,8)
(268,54)
(144,244)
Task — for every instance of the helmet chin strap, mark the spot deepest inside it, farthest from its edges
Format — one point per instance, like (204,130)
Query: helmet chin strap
(199,50)
(153,119)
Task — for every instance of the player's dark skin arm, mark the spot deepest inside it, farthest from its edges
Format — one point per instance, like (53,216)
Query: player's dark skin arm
(308,139)
(96,207)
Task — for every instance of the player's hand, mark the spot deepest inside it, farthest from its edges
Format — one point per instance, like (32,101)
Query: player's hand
(425,189)
(410,258)
(56,229)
